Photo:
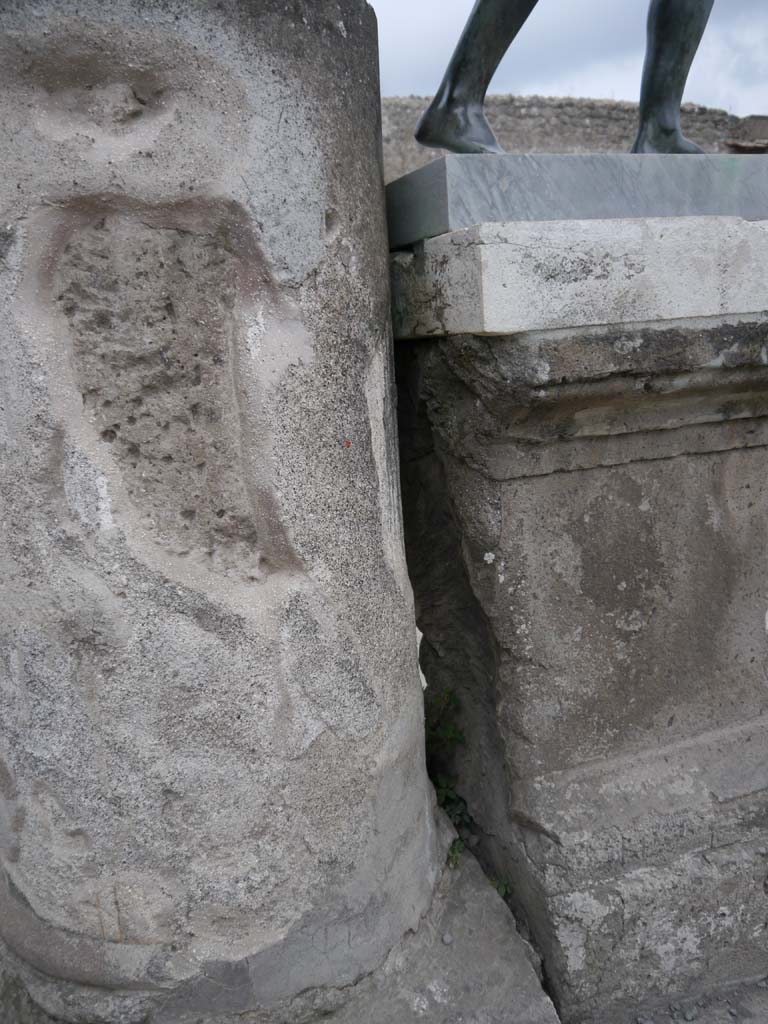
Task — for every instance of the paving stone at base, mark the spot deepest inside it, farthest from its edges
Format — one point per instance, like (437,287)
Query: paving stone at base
(467,964)
(742,1004)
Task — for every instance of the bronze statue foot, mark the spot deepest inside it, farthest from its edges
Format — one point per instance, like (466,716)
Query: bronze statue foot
(460,128)
(654,139)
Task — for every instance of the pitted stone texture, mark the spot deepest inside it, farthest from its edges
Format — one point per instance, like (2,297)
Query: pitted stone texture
(459,192)
(212,786)
(498,279)
(586,535)
(134,283)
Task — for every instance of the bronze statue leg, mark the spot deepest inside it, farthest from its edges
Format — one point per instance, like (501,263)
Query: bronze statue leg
(455,119)
(675,28)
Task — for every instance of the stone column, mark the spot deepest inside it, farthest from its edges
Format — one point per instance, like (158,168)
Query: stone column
(585,498)
(213,794)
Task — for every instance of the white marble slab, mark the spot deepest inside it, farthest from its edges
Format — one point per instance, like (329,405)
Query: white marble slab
(457,192)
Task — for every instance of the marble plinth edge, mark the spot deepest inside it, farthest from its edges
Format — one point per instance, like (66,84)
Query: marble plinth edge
(457,192)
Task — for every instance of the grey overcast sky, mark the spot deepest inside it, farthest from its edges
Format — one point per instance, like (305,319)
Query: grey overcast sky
(579,48)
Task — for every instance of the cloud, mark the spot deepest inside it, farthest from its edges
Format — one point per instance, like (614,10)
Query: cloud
(578,47)
(730,69)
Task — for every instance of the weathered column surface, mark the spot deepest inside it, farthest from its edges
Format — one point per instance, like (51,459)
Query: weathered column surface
(585,499)
(213,796)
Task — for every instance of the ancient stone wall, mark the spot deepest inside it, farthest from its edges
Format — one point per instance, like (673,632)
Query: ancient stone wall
(543,124)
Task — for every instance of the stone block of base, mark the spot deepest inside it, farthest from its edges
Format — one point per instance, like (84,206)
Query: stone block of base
(502,279)
(584,440)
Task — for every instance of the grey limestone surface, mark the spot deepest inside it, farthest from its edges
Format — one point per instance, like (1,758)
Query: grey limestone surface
(585,514)
(212,784)
(459,191)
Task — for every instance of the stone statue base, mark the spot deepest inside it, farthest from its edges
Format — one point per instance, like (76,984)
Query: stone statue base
(584,411)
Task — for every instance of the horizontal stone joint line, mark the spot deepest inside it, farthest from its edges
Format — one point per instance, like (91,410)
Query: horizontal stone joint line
(626,462)
(564,774)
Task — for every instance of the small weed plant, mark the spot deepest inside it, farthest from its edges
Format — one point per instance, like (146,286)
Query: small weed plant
(454,853)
